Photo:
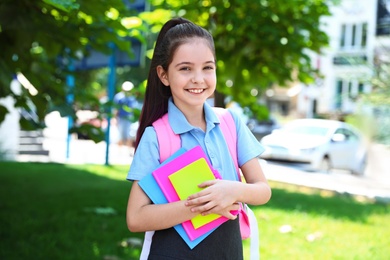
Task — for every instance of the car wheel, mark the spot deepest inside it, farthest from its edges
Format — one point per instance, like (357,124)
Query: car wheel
(325,165)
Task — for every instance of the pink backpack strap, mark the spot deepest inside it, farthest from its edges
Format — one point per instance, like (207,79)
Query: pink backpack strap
(228,128)
(168,141)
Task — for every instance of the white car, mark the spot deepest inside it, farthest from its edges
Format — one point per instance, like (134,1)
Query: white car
(323,144)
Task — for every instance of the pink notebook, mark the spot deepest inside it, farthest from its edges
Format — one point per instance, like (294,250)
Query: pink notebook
(186,180)
(161,173)
(161,176)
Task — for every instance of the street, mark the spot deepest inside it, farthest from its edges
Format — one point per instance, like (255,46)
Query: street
(375,184)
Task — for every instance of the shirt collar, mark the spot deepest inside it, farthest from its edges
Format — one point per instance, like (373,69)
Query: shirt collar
(179,123)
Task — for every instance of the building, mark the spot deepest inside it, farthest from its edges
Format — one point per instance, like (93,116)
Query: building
(359,33)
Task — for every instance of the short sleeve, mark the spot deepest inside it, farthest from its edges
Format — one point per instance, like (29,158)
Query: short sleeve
(146,157)
(248,147)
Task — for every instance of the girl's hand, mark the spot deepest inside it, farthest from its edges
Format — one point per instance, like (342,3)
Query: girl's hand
(218,196)
(227,212)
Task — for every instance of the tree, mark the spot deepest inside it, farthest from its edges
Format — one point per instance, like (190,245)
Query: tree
(380,95)
(38,39)
(258,43)
(379,98)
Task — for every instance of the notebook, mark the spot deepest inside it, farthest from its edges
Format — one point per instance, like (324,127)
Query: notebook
(175,164)
(161,175)
(185,182)
(149,185)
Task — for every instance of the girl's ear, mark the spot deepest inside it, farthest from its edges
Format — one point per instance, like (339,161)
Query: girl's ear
(162,75)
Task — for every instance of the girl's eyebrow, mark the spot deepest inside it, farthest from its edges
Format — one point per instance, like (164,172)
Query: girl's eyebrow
(183,63)
(190,63)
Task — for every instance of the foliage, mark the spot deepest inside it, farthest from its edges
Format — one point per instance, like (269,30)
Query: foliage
(380,94)
(382,120)
(40,38)
(373,113)
(55,211)
(373,120)
(258,43)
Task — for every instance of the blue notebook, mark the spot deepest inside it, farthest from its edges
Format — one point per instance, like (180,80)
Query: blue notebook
(152,189)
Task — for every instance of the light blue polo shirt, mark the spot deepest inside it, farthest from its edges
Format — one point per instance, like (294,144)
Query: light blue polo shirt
(146,157)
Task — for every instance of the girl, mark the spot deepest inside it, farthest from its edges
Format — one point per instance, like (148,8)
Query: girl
(181,78)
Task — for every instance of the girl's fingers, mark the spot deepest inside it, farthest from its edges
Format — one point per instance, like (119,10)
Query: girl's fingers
(202,193)
(207,183)
(225,212)
(229,212)
(203,208)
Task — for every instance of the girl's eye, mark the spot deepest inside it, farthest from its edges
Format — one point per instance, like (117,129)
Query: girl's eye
(185,68)
(209,68)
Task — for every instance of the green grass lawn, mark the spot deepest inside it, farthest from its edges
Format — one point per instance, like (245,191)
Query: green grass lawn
(55,211)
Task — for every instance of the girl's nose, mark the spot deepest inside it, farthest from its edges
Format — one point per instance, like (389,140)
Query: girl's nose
(198,78)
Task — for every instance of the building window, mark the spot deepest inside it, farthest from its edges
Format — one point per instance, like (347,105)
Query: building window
(353,36)
(361,88)
(364,35)
(347,89)
(343,33)
(350,88)
(339,91)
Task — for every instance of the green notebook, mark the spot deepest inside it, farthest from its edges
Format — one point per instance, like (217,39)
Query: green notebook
(186,181)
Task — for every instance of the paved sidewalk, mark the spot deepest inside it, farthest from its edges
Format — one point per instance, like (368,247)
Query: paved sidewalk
(82,152)
(374,185)
(338,181)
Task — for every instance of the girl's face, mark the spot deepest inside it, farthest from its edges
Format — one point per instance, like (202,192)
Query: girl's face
(191,74)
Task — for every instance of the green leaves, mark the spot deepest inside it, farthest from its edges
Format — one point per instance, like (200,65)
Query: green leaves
(89,131)
(64,5)
(259,43)
(3,112)
(36,36)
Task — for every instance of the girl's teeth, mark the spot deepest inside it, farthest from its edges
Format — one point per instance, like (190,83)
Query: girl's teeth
(196,91)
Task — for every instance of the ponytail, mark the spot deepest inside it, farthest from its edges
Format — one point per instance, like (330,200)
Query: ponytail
(174,33)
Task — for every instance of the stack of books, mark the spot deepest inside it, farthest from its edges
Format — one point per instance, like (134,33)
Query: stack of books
(177,178)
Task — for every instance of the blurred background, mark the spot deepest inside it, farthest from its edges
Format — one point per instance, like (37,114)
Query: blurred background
(276,63)
(64,64)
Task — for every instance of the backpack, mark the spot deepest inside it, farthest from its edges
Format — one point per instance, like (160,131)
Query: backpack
(169,143)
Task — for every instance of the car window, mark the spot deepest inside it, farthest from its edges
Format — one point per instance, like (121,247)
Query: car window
(349,135)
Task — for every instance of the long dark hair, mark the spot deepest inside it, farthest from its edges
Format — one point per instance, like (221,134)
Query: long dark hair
(174,33)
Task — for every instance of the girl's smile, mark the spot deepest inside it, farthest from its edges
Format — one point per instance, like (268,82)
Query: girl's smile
(196,91)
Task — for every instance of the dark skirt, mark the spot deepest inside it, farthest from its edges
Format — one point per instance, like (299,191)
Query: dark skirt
(223,243)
